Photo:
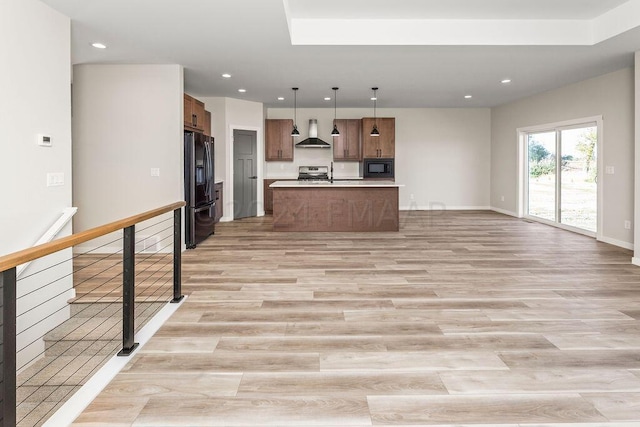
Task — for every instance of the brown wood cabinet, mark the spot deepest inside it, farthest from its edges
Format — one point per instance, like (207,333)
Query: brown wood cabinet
(207,123)
(217,191)
(194,117)
(268,194)
(347,146)
(379,146)
(278,142)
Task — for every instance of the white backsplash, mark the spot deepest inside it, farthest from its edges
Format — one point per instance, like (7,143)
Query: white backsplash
(311,157)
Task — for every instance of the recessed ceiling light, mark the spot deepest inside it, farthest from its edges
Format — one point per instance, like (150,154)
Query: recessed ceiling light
(226,75)
(242,90)
(505,81)
(468,97)
(280,98)
(327,98)
(99,45)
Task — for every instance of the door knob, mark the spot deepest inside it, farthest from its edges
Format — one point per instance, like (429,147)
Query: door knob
(253,177)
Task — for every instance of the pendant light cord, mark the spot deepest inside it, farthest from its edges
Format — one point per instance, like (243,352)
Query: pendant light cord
(375,101)
(295,106)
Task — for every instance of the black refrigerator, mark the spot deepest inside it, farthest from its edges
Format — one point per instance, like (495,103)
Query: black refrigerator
(198,188)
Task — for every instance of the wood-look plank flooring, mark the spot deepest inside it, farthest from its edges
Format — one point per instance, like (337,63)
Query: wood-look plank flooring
(461,318)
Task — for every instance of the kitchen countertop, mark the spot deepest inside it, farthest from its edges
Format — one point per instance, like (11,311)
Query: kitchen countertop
(334,184)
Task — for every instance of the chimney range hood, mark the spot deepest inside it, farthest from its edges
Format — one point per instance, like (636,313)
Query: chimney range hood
(313,141)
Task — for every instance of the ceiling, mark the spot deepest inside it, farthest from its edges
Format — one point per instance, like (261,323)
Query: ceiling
(420,53)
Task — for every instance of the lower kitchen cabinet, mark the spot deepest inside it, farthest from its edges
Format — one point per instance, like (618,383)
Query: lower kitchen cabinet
(268,194)
(217,191)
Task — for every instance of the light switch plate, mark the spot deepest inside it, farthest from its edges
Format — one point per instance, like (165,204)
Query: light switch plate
(610,170)
(55,179)
(155,171)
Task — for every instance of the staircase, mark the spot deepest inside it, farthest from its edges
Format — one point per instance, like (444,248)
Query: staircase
(74,351)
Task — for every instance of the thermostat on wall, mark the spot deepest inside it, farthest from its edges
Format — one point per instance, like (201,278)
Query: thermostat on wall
(44,140)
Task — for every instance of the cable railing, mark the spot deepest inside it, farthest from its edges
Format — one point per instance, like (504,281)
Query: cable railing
(82,298)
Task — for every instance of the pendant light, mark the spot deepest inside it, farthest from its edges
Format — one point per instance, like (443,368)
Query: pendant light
(295,132)
(335,132)
(374,131)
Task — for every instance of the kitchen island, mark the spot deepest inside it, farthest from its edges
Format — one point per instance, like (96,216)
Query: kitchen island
(359,205)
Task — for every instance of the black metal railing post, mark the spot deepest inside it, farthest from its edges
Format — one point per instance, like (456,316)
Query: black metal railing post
(128,291)
(8,343)
(177,256)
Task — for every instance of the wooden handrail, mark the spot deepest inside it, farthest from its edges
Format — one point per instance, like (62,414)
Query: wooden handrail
(26,255)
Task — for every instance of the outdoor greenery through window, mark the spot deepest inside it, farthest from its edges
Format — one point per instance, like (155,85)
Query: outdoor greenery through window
(562,176)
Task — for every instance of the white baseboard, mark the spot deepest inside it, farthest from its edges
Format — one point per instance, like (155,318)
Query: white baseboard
(615,242)
(635,261)
(504,211)
(68,412)
(443,207)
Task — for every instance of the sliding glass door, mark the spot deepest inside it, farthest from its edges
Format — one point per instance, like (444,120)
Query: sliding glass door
(578,183)
(561,176)
(542,175)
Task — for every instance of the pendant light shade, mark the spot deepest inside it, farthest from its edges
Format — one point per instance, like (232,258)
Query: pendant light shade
(374,131)
(294,131)
(335,132)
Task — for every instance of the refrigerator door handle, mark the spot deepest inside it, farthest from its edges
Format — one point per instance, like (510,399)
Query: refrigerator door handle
(204,208)
(207,170)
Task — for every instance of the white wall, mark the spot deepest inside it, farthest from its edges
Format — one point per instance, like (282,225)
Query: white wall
(636,255)
(612,97)
(35,87)
(127,119)
(442,155)
(229,114)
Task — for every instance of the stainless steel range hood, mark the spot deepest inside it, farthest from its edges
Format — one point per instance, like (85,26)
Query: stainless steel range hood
(313,141)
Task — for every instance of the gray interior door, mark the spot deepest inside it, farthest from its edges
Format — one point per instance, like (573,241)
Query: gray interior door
(245,180)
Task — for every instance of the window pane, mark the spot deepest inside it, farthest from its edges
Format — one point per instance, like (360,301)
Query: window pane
(578,181)
(542,174)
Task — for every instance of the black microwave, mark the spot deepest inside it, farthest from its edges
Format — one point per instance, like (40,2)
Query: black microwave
(378,168)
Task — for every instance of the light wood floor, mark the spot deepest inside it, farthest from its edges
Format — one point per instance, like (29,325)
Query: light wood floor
(461,318)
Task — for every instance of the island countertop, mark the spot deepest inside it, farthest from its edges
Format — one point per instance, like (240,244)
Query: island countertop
(335,184)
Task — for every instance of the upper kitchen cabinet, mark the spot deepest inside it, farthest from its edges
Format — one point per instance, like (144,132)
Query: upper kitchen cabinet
(379,146)
(207,123)
(347,145)
(278,141)
(194,116)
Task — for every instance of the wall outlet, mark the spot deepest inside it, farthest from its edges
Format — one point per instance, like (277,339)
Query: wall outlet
(44,140)
(155,171)
(502,198)
(411,197)
(627,225)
